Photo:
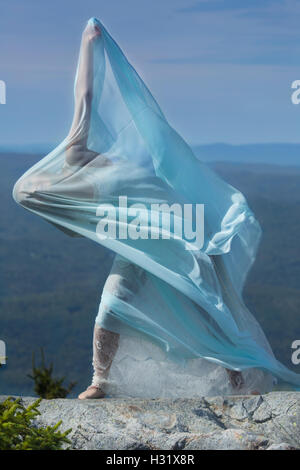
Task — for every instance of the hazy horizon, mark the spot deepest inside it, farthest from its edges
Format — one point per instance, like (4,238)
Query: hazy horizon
(280,154)
(192,144)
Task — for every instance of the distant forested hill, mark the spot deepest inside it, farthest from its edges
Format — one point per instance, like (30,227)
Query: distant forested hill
(51,284)
(272,154)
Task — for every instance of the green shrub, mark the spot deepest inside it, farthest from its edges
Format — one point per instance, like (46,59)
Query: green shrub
(46,386)
(19,432)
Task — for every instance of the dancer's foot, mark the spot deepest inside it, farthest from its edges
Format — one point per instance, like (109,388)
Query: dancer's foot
(91,32)
(91,392)
(236,379)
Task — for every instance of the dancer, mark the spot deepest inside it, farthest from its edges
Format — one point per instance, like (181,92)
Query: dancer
(187,302)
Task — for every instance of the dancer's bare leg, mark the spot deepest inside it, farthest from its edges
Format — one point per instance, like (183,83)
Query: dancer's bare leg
(124,280)
(105,345)
(77,153)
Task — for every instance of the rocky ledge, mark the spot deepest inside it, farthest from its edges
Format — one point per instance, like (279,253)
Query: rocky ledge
(266,422)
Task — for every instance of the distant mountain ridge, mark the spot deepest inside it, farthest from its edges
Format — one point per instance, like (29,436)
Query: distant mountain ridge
(39,148)
(268,153)
(273,154)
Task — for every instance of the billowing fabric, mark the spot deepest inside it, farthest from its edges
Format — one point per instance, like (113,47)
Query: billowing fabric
(179,311)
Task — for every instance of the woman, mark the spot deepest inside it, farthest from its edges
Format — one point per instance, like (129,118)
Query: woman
(178,307)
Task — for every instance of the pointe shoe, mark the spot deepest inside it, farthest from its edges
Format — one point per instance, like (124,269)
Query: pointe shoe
(91,392)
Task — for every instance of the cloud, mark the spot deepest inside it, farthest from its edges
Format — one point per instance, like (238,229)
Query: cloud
(229,5)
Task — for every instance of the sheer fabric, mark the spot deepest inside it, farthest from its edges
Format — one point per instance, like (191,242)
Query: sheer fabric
(179,311)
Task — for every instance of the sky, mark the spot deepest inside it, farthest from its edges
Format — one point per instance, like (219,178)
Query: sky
(220,69)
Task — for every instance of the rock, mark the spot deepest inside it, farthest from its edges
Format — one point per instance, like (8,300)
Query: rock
(282,446)
(229,439)
(270,421)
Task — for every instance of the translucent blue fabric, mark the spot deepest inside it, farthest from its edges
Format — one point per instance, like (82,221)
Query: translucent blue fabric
(186,301)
